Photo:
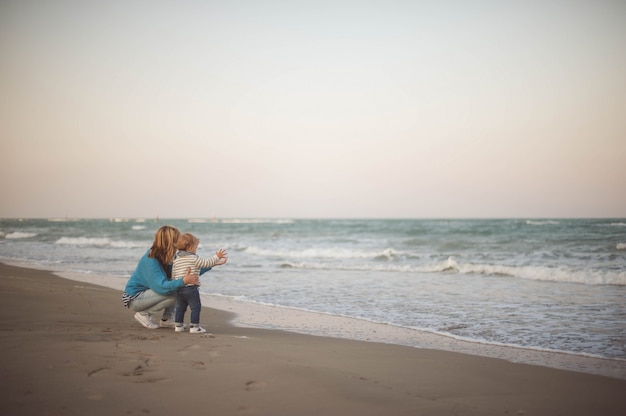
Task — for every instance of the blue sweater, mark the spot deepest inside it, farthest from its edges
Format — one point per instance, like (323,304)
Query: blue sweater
(150,275)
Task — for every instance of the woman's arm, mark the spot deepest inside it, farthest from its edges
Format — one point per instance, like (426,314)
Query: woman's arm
(190,279)
(150,275)
(157,280)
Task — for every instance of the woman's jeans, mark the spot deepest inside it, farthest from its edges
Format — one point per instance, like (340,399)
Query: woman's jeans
(188,295)
(151,302)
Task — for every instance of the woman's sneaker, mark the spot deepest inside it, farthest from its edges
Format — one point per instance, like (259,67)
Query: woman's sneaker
(197,329)
(179,327)
(145,319)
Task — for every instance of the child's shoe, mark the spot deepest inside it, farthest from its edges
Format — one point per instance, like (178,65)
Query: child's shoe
(196,329)
(169,323)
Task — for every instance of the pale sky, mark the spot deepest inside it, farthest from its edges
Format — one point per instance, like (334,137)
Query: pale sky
(313,109)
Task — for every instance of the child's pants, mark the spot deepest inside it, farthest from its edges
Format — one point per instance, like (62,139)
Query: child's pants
(188,295)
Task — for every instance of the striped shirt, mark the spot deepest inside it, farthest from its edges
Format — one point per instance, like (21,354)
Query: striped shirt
(185,260)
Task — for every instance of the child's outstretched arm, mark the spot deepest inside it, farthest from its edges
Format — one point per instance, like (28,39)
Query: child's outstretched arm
(223,257)
(218,259)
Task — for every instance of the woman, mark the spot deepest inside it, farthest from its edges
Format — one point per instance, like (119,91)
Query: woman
(150,288)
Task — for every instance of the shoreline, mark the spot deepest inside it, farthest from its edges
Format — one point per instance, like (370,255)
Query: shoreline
(255,315)
(70,348)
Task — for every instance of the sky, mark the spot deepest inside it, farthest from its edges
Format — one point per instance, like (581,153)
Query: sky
(312,109)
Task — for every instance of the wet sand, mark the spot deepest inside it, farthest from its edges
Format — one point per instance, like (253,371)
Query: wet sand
(70,348)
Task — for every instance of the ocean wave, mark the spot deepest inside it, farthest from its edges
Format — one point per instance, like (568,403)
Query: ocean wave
(541,222)
(101,242)
(591,277)
(255,221)
(83,241)
(138,227)
(621,246)
(386,255)
(321,253)
(131,244)
(20,234)
(450,265)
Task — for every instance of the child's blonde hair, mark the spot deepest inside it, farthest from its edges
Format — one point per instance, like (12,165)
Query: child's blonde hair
(186,241)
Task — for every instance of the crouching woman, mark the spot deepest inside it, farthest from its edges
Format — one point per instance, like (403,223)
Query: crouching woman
(150,288)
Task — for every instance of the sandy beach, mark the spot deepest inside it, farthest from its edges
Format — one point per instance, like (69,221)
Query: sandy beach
(70,348)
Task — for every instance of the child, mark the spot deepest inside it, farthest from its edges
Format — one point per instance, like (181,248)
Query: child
(186,258)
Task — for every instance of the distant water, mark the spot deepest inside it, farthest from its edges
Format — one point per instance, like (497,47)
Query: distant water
(557,284)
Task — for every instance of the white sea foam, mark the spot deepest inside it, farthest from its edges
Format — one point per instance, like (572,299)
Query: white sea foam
(138,227)
(316,253)
(57,219)
(621,246)
(101,242)
(130,244)
(20,234)
(590,277)
(542,222)
(255,221)
(83,241)
(532,272)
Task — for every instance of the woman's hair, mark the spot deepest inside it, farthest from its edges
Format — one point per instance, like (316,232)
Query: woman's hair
(164,247)
(186,241)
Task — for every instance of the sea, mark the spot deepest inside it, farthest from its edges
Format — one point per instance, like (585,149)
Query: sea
(556,285)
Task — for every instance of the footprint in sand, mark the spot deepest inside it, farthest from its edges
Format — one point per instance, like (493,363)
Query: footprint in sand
(244,410)
(97,371)
(192,347)
(188,348)
(137,371)
(139,374)
(198,365)
(254,385)
(152,362)
(95,396)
